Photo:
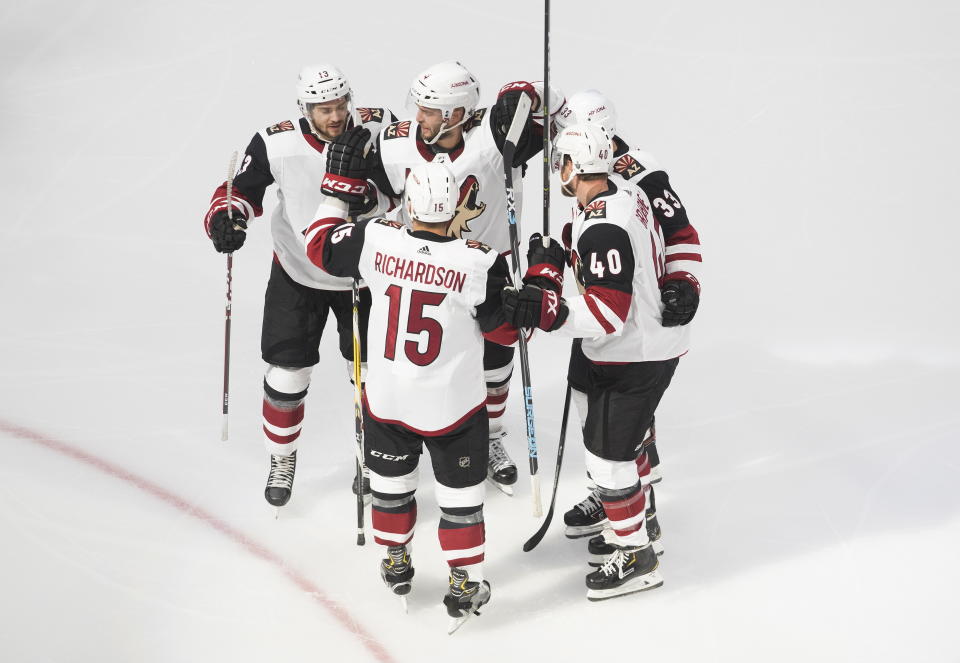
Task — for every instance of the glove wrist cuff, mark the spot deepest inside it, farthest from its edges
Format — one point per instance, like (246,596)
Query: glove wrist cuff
(683,276)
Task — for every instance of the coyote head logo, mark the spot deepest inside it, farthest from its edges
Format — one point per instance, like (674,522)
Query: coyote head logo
(468,209)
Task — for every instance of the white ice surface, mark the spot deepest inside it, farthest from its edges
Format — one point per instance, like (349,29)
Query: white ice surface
(810,440)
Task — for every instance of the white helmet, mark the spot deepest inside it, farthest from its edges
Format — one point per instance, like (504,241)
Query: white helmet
(430,193)
(446,87)
(318,83)
(588,106)
(589,147)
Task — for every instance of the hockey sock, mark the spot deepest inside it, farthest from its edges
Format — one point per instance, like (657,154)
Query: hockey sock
(643,468)
(462,536)
(625,507)
(394,516)
(497,392)
(283,392)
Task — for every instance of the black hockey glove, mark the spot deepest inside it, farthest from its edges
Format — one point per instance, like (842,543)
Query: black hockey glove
(680,301)
(228,235)
(534,307)
(347,166)
(506,107)
(545,263)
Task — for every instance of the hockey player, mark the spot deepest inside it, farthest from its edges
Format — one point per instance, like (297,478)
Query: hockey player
(680,292)
(450,128)
(299,296)
(436,299)
(618,256)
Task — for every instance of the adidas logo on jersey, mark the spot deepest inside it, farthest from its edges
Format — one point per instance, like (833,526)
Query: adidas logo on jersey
(425,250)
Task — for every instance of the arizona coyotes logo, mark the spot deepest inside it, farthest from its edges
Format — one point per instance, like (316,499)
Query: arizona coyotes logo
(468,209)
(286,125)
(397,130)
(390,224)
(595,210)
(370,114)
(475,244)
(627,166)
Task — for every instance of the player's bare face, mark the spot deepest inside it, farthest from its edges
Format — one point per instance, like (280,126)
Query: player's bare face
(330,117)
(430,121)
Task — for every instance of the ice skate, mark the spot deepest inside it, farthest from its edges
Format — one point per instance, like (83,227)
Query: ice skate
(367,496)
(501,470)
(397,572)
(465,598)
(280,479)
(586,518)
(626,571)
(599,549)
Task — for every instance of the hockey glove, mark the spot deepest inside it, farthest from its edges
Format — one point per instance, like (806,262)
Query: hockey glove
(534,307)
(680,301)
(545,263)
(506,107)
(347,166)
(228,235)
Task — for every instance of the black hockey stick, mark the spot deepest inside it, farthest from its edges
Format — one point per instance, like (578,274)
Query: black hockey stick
(537,537)
(509,149)
(231,169)
(358,409)
(545,107)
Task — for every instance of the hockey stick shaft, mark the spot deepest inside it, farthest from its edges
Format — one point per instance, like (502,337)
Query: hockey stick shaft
(537,537)
(509,150)
(545,105)
(358,409)
(224,429)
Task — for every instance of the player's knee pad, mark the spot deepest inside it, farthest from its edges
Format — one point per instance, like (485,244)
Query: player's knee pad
(458,498)
(611,474)
(405,483)
(286,384)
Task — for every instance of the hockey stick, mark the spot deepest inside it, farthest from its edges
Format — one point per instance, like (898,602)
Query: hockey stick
(537,537)
(509,149)
(545,106)
(357,410)
(224,433)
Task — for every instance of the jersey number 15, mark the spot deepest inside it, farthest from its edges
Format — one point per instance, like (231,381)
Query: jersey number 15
(417,323)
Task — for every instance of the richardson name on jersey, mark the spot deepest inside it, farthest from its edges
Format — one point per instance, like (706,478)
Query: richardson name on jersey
(419,272)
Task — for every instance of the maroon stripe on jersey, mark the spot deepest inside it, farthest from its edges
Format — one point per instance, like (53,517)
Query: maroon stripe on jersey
(684,256)
(282,418)
(430,433)
(281,439)
(423,148)
(505,334)
(315,247)
(687,235)
(592,305)
(617,300)
(395,524)
(497,398)
(461,538)
(314,142)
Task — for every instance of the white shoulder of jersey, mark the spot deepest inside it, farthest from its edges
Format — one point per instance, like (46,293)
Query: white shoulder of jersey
(284,138)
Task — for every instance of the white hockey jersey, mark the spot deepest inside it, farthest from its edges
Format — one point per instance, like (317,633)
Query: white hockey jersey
(291,156)
(434,299)
(618,259)
(478,166)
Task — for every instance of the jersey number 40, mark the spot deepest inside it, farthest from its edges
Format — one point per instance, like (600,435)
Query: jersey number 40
(417,323)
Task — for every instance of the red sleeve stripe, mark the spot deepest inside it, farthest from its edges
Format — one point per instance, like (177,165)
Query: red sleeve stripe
(592,305)
(686,235)
(672,257)
(616,300)
(505,334)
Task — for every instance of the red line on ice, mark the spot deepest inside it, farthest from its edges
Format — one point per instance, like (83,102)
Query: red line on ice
(340,613)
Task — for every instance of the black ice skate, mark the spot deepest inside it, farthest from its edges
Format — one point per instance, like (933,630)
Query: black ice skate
(501,470)
(397,572)
(626,571)
(464,598)
(586,518)
(280,479)
(600,550)
(367,496)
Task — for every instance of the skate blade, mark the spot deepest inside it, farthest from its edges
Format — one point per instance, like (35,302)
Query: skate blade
(403,603)
(642,583)
(506,490)
(573,532)
(276,513)
(457,622)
